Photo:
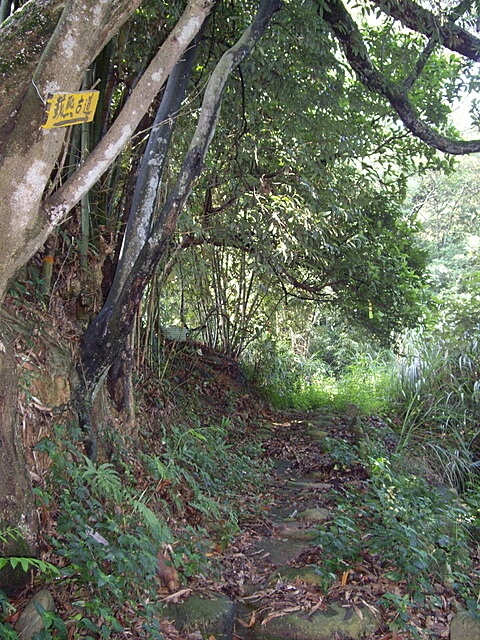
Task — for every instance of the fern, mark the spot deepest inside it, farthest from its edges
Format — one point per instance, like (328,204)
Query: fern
(158,529)
(103,480)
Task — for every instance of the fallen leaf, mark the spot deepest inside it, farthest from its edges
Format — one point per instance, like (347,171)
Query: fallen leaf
(250,623)
(280,614)
(358,611)
(166,571)
(318,606)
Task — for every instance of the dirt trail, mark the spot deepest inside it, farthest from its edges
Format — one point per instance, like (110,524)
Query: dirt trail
(284,595)
(270,571)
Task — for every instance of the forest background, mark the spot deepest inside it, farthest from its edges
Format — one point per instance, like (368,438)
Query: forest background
(276,183)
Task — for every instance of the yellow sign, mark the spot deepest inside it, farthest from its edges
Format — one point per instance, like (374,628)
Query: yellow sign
(67,109)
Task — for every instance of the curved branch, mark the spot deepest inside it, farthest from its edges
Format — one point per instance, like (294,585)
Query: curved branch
(150,174)
(415,17)
(104,338)
(348,34)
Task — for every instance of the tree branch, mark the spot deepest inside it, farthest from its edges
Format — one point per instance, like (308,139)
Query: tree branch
(348,34)
(423,58)
(127,121)
(151,169)
(419,19)
(116,321)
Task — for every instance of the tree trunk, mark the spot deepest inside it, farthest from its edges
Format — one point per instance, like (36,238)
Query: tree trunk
(17,510)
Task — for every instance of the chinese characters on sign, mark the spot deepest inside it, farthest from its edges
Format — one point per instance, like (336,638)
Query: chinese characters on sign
(67,109)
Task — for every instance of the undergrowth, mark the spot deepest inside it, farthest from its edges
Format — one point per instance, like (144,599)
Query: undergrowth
(437,405)
(419,536)
(108,520)
(288,380)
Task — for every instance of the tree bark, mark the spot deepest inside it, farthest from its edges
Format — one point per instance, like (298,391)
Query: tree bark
(20,49)
(17,510)
(151,169)
(29,152)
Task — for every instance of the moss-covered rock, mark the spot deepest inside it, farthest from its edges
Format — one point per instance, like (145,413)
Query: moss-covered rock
(297,531)
(334,622)
(30,622)
(465,626)
(317,515)
(209,616)
(307,575)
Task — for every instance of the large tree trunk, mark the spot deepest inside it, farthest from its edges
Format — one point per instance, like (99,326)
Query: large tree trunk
(17,512)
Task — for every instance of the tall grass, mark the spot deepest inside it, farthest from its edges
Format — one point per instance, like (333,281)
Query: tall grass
(438,404)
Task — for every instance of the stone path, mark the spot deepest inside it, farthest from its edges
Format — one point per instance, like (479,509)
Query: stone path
(288,556)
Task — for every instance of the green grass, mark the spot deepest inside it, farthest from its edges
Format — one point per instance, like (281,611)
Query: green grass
(368,383)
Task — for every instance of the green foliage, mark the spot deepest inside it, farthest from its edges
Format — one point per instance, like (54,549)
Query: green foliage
(368,383)
(207,463)
(6,630)
(103,545)
(289,379)
(427,533)
(28,564)
(108,531)
(447,205)
(275,369)
(24,562)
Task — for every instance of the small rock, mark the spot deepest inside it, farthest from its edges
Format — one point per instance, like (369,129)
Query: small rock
(464,627)
(305,484)
(279,552)
(296,531)
(317,516)
(318,434)
(323,422)
(30,622)
(308,575)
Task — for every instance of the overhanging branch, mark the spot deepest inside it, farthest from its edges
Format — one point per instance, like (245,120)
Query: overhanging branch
(348,34)
(421,20)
